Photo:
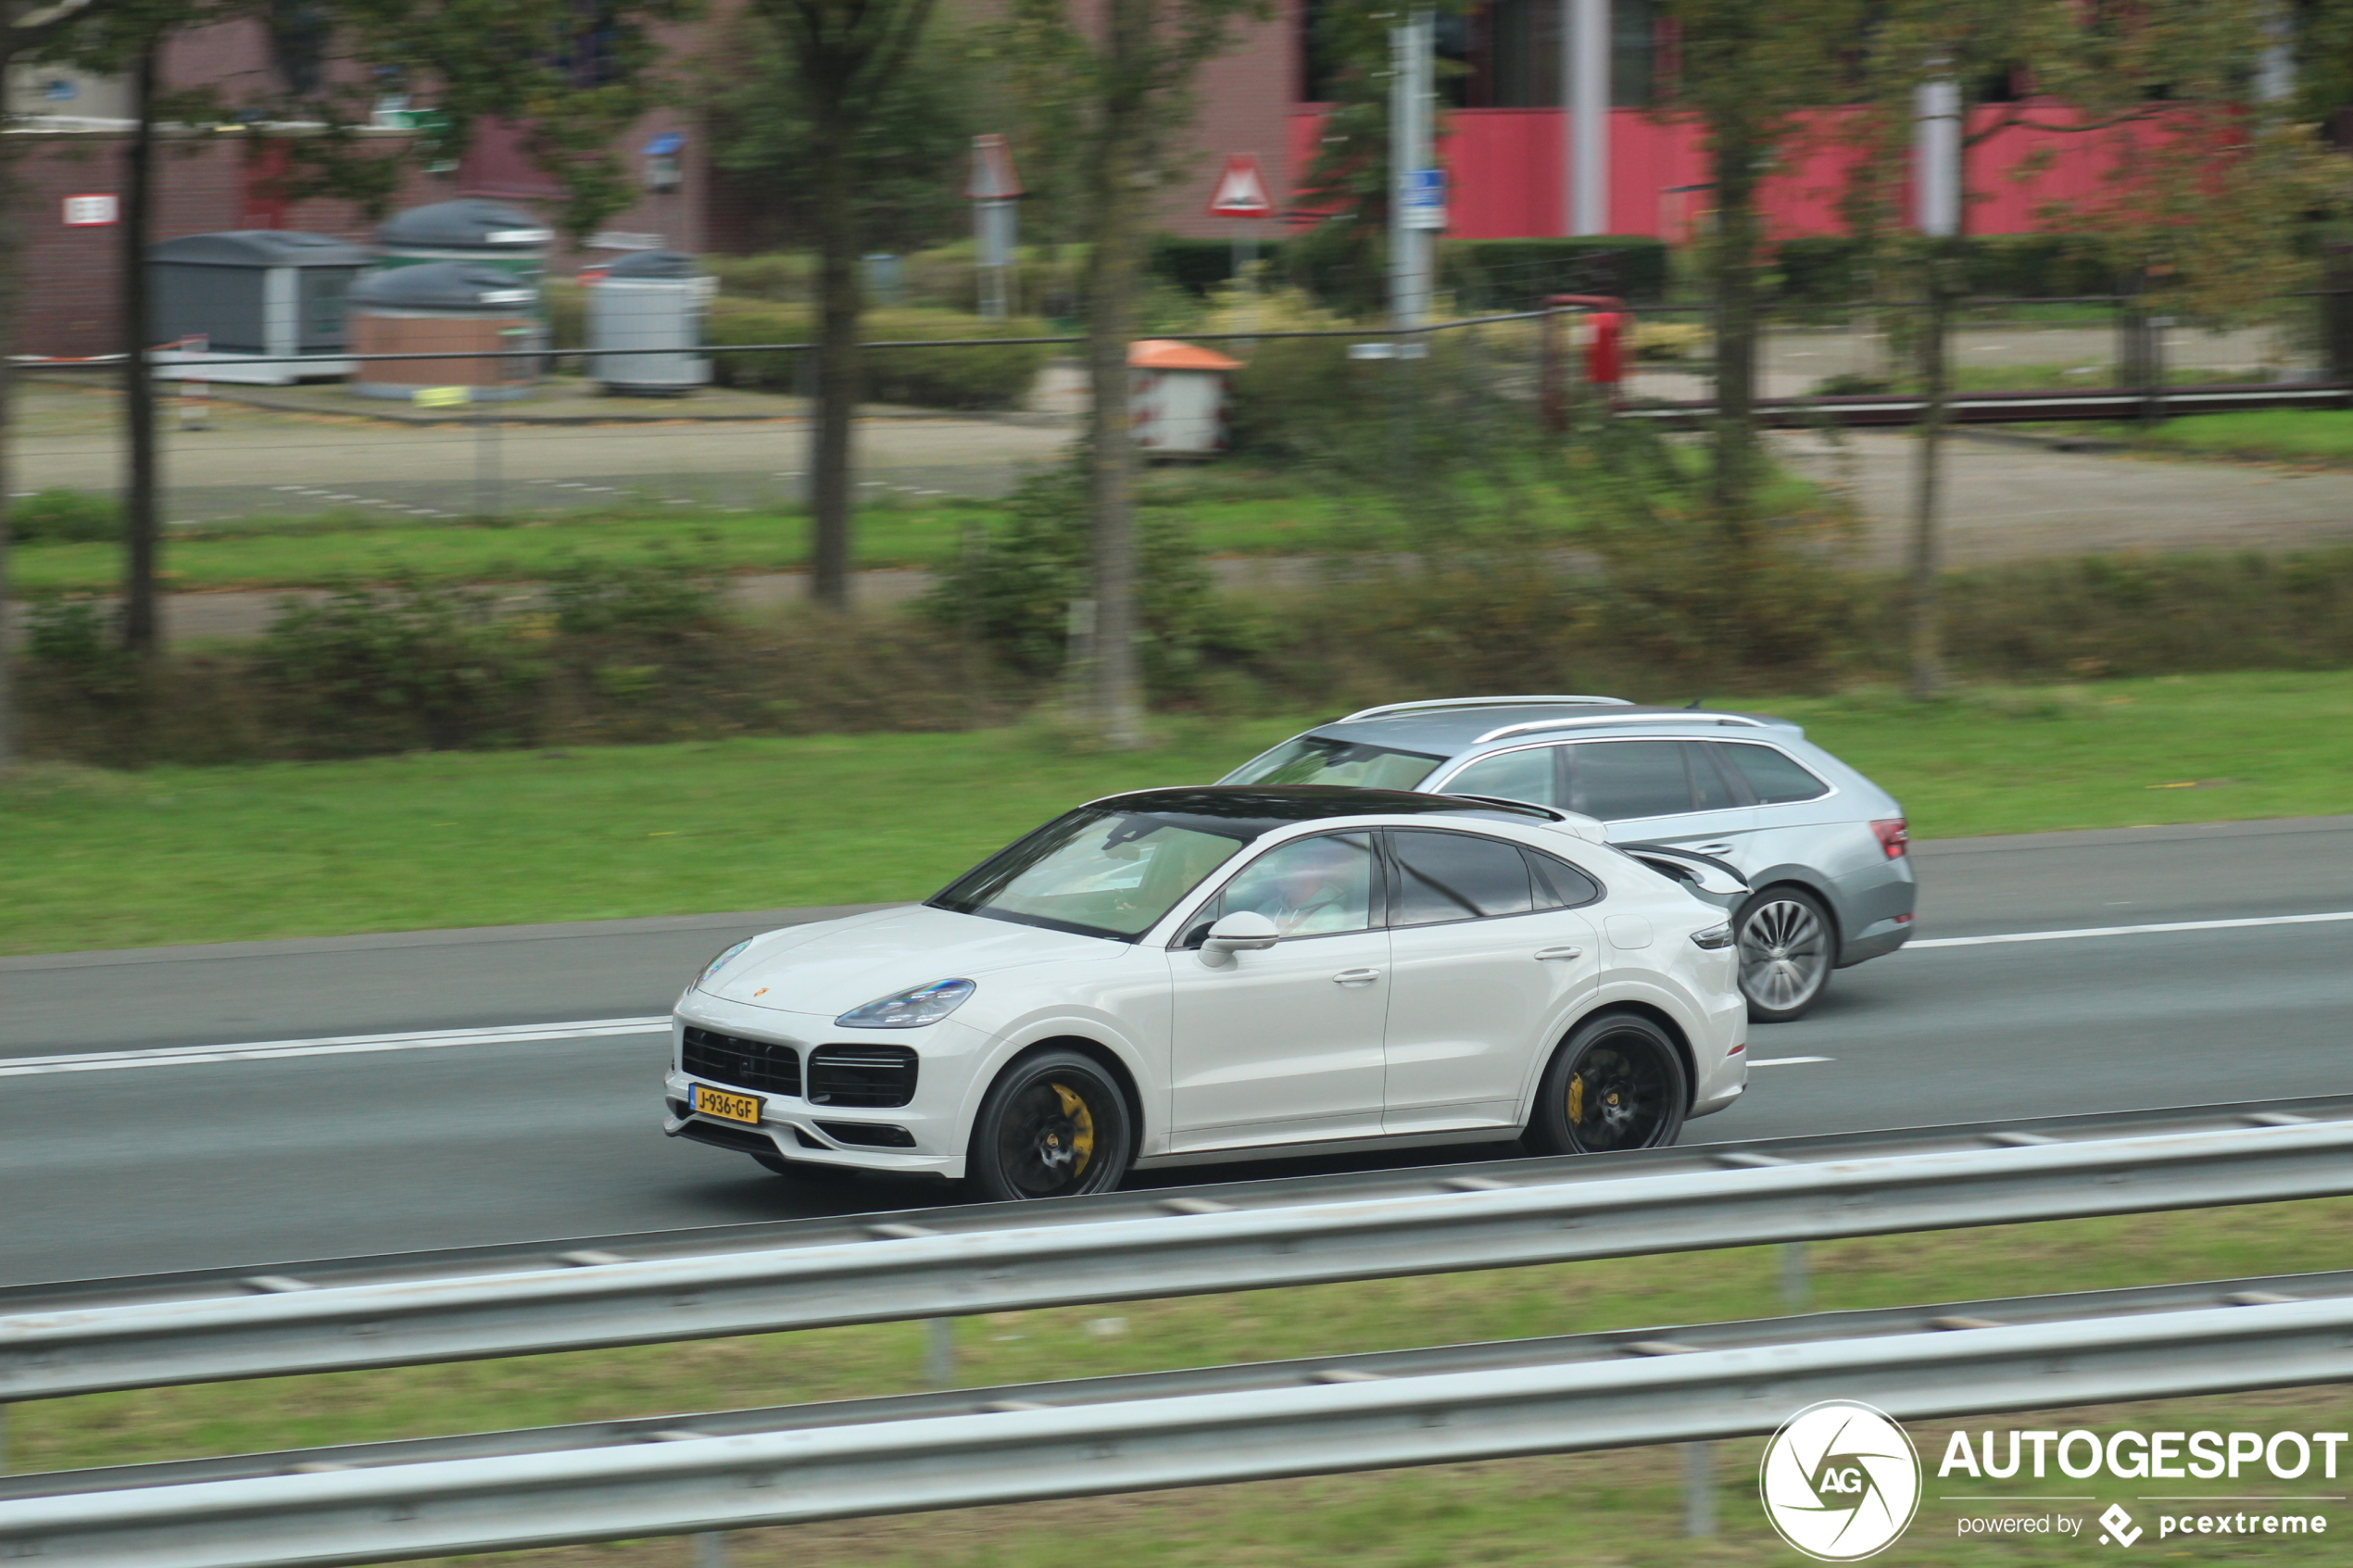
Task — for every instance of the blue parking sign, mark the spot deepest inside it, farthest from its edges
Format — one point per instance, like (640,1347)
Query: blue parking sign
(1422,198)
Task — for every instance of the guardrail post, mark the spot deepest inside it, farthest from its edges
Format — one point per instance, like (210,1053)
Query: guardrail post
(1795,1287)
(710,1549)
(1699,1489)
(939,1352)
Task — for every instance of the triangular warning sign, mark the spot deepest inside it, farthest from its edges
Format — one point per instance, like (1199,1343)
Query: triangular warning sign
(1241,190)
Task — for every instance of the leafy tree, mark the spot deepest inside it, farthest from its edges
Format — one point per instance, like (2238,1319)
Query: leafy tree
(849,55)
(26,28)
(904,158)
(2201,191)
(1747,72)
(1132,65)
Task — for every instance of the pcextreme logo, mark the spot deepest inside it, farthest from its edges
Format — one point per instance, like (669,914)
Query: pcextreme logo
(1839,1480)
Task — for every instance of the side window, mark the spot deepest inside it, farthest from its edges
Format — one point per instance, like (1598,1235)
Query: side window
(1774,777)
(1711,790)
(1526,774)
(1614,780)
(1308,888)
(1443,876)
(1560,885)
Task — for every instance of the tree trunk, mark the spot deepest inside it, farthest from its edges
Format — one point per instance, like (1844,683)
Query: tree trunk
(1734,480)
(1927,566)
(1116,197)
(838,360)
(139,524)
(11,259)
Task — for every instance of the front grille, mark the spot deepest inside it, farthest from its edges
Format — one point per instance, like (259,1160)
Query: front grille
(743,1140)
(865,1075)
(873,1134)
(746,1064)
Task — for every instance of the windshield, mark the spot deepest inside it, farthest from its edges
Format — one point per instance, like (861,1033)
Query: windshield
(1096,873)
(1321,760)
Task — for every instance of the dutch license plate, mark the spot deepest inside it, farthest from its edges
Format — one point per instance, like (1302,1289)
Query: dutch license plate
(727,1107)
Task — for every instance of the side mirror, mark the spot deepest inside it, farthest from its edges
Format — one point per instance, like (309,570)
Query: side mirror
(1245,931)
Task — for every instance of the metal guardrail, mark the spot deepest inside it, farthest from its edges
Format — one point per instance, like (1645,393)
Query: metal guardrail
(1371,1413)
(945,1263)
(2116,404)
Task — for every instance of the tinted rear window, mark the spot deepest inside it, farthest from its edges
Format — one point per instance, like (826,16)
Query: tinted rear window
(1614,780)
(1773,778)
(1443,876)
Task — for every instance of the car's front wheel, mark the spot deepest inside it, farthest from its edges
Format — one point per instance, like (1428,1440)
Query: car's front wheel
(1786,953)
(1616,1083)
(1054,1126)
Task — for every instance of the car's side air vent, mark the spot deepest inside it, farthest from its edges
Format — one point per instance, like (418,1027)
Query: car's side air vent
(746,1064)
(861,1074)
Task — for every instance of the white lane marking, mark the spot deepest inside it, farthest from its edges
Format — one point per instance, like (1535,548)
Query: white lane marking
(2129,930)
(338,1045)
(1787,1061)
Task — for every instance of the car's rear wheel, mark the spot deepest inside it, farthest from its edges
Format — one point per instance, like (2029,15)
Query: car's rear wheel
(1616,1083)
(1787,953)
(1054,1126)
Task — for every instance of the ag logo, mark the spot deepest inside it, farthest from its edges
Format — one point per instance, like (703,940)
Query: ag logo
(2121,1531)
(1839,1480)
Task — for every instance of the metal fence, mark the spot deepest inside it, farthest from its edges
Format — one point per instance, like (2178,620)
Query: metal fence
(709,1474)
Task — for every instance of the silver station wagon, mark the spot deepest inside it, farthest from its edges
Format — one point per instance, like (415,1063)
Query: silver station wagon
(1821,847)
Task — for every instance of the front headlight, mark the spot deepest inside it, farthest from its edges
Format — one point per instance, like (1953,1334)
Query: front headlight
(911,1008)
(1714,938)
(722,961)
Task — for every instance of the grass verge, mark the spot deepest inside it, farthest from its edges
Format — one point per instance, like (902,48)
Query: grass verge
(1616,1508)
(177,854)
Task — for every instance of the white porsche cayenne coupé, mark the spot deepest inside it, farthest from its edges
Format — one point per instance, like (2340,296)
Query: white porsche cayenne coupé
(1183,976)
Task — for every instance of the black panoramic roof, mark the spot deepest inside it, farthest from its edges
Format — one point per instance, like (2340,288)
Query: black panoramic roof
(1270,805)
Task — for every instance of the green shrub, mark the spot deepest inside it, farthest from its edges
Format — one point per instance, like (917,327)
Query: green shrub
(1301,397)
(64,517)
(413,665)
(1014,591)
(1518,274)
(972,377)
(1200,266)
(665,596)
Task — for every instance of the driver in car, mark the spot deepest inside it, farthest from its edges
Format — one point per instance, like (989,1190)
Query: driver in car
(1310,889)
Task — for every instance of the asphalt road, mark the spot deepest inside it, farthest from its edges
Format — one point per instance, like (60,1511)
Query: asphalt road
(171,1162)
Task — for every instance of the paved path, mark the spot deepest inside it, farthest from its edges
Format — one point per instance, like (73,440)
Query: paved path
(205,1164)
(2006,500)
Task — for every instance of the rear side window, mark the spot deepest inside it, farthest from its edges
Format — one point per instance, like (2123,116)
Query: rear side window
(1773,777)
(1614,780)
(1443,876)
(1515,775)
(1560,885)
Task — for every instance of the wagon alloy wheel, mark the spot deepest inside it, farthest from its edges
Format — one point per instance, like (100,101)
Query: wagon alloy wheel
(1053,1126)
(1616,1083)
(1785,955)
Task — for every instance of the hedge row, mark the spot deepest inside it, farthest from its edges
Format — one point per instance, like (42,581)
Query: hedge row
(1830,269)
(1484,274)
(930,378)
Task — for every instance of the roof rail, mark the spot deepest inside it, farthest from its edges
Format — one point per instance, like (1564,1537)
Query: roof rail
(1675,717)
(1485,702)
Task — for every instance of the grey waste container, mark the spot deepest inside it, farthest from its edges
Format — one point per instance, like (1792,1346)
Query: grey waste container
(251,292)
(653,299)
(471,229)
(464,309)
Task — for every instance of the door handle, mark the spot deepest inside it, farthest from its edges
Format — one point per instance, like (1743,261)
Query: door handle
(1560,952)
(1712,849)
(1356,977)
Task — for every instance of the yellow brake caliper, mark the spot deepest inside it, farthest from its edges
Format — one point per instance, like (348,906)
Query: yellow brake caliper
(1082,1140)
(1577,1100)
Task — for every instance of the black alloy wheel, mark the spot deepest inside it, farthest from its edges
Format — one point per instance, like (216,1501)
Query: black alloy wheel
(1786,953)
(1054,1126)
(1618,1083)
